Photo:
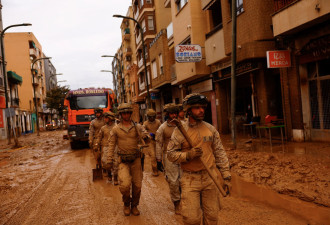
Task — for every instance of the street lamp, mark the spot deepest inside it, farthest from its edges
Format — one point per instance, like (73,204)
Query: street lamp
(4,67)
(144,53)
(34,90)
(113,78)
(120,73)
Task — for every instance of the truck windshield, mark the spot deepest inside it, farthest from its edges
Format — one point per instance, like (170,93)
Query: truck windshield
(88,102)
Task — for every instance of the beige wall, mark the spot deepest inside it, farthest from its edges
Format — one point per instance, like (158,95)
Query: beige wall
(190,21)
(292,17)
(162,14)
(18,60)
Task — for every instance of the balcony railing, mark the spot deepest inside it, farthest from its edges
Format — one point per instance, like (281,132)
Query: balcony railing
(280,4)
(15,102)
(140,63)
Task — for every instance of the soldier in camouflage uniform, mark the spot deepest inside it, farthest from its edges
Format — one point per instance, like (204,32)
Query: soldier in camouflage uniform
(102,144)
(126,136)
(94,128)
(172,170)
(199,194)
(151,126)
(181,115)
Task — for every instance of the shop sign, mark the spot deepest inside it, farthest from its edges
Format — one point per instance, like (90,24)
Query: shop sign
(241,68)
(2,102)
(154,96)
(188,53)
(1,119)
(278,59)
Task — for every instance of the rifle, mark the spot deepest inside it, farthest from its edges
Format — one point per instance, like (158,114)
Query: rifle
(209,171)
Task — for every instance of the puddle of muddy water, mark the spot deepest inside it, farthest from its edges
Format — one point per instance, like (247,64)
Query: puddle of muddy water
(309,211)
(317,150)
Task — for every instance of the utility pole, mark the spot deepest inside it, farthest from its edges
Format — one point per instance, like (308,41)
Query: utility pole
(233,72)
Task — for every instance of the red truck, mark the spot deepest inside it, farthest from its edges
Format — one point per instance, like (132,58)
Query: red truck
(80,106)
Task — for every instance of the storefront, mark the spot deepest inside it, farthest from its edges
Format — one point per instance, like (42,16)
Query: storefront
(314,61)
(258,94)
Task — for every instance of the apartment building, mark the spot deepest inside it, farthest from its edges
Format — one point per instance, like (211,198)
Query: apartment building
(21,49)
(153,17)
(129,62)
(305,85)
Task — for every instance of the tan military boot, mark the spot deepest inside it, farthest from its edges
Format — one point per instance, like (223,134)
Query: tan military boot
(127,210)
(177,207)
(115,179)
(135,211)
(155,172)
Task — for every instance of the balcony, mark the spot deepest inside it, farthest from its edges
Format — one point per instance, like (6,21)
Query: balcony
(35,81)
(142,86)
(15,102)
(140,63)
(215,45)
(33,52)
(127,34)
(127,52)
(288,17)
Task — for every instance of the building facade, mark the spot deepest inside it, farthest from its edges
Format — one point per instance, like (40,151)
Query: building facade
(21,50)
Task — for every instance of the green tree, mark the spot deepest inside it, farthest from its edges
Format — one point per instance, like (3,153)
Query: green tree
(55,98)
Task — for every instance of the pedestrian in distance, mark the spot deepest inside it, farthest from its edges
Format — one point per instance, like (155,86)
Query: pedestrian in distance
(199,196)
(102,145)
(151,126)
(172,170)
(126,136)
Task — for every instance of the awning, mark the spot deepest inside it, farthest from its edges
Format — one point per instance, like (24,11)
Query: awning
(15,78)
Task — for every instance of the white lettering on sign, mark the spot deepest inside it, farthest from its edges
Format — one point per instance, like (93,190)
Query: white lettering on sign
(188,53)
(278,59)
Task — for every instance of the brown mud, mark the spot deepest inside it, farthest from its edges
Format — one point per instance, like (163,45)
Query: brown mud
(45,182)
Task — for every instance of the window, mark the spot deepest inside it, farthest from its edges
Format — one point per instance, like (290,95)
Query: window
(148,1)
(216,15)
(154,69)
(239,6)
(151,23)
(161,70)
(180,3)
(143,26)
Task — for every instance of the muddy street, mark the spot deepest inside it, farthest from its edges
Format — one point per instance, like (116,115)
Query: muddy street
(45,182)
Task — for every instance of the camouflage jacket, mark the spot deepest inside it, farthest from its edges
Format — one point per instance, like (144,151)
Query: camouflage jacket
(203,135)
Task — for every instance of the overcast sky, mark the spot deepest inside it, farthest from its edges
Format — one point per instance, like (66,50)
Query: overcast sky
(75,33)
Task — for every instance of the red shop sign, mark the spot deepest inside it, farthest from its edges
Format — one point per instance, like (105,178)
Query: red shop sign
(278,59)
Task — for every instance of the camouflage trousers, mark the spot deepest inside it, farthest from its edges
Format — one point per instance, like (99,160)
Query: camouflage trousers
(104,156)
(199,198)
(151,152)
(172,175)
(130,178)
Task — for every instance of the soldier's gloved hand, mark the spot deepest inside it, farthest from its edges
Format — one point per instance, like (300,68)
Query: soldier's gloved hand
(96,147)
(160,166)
(227,185)
(194,153)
